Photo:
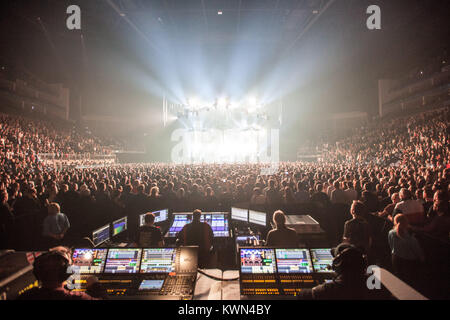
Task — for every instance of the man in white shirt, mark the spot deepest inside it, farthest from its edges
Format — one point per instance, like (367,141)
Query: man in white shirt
(411,208)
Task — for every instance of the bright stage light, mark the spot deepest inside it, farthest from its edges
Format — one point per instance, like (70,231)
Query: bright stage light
(193,101)
(233,105)
(88,256)
(252,101)
(222,102)
(222,146)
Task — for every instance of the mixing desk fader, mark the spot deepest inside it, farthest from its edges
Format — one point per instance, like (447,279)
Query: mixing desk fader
(281,272)
(135,273)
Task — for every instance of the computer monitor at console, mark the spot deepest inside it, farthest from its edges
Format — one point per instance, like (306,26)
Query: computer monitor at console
(256,260)
(157,260)
(119,226)
(293,261)
(322,260)
(124,260)
(217,220)
(138,273)
(88,261)
(257,217)
(160,216)
(239,214)
(179,221)
(139,261)
(152,284)
(281,271)
(101,235)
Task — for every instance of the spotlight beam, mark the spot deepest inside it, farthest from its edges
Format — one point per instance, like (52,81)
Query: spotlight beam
(327,5)
(166,6)
(204,14)
(272,17)
(239,16)
(60,61)
(120,13)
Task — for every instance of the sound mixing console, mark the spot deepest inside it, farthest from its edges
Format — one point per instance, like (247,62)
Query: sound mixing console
(273,272)
(217,220)
(16,273)
(134,273)
(258,270)
(171,273)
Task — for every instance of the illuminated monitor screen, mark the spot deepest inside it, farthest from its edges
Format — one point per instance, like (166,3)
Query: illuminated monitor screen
(101,235)
(258,260)
(158,260)
(217,220)
(239,214)
(257,217)
(245,238)
(123,260)
(179,221)
(88,261)
(119,226)
(161,215)
(151,285)
(293,261)
(322,260)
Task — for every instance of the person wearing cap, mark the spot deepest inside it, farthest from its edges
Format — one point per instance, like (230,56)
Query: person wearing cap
(50,269)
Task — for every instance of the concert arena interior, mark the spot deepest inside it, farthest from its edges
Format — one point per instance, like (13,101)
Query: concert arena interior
(224,150)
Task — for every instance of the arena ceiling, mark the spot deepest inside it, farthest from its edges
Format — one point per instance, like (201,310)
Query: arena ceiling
(125,43)
(144,31)
(215,21)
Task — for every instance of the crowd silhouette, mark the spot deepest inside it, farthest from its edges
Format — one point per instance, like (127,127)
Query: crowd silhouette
(369,177)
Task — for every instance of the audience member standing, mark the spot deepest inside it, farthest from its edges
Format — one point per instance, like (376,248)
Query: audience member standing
(406,252)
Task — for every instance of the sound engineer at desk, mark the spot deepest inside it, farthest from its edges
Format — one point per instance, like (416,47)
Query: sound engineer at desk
(199,234)
(50,270)
(350,266)
(148,236)
(281,236)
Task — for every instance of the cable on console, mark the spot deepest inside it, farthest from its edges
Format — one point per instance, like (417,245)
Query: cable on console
(90,241)
(215,278)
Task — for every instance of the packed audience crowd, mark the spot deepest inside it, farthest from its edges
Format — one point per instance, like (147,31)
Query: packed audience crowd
(420,139)
(23,138)
(387,182)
